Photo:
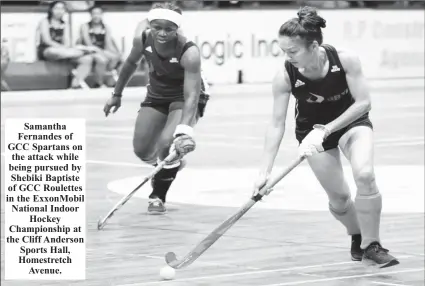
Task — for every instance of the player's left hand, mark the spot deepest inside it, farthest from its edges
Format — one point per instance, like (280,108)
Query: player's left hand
(313,142)
(183,142)
(115,102)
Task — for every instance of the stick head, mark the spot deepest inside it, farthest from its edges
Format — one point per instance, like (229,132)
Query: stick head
(171,258)
(99,224)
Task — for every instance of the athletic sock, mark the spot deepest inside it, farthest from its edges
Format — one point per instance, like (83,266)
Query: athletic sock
(369,216)
(162,181)
(347,217)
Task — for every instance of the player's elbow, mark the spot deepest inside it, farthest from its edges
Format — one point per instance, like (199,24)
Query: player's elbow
(367,105)
(363,106)
(277,127)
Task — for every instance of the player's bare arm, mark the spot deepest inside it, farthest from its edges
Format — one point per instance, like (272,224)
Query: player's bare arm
(67,36)
(128,69)
(85,36)
(191,62)
(45,34)
(281,88)
(130,65)
(359,90)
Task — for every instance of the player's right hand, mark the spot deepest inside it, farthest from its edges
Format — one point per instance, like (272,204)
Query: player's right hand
(261,181)
(114,101)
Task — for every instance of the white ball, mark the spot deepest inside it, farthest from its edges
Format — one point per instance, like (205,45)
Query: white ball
(167,273)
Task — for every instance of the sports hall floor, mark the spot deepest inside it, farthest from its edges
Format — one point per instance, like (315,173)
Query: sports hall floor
(289,239)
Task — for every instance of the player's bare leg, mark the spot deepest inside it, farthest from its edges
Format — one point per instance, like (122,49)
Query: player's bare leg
(83,63)
(357,146)
(149,126)
(328,170)
(100,64)
(162,181)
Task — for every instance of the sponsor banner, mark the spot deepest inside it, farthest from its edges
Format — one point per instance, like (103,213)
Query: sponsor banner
(390,43)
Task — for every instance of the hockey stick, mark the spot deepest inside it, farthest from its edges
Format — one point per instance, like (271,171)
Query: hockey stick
(171,258)
(101,223)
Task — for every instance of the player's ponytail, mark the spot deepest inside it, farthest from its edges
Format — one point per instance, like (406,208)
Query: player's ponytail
(308,26)
(308,18)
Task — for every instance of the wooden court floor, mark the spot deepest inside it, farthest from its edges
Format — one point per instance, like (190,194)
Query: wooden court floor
(269,246)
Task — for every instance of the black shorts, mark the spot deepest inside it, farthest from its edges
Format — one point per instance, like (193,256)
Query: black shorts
(166,106)
(333,139)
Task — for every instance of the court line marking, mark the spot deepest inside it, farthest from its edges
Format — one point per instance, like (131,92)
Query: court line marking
(344,277)
(283,270)
(402,142)
(111,163)
(223,144)
(240,273)
(243,137)
(211,263)
(310,275)
(388,284)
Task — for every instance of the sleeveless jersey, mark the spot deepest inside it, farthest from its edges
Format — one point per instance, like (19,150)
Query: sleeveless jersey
(323,100)
(166,75)
(57,33)
(97,36)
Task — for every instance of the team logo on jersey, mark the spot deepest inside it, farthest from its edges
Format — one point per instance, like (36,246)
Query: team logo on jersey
(315,98)
(174,60)
(299,83)
(338,96)
(149,49)
(335,68)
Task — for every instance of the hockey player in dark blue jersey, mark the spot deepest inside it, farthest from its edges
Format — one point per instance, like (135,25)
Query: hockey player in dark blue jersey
(175,99)
(332,114)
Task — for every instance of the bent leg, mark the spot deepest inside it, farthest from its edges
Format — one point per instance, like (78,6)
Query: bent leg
(82,71)
(149,125)
(113,59)
(62,53)
(100,64)
(328,170)
(164,178)
(357,146)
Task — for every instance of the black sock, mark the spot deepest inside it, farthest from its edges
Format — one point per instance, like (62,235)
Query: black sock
(162,181)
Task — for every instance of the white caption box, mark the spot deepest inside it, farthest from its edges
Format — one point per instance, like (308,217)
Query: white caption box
(45,212)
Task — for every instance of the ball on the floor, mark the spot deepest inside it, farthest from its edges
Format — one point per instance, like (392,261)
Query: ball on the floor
(167,273)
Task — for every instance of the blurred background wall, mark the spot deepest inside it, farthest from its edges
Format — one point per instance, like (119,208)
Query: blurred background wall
(238,39)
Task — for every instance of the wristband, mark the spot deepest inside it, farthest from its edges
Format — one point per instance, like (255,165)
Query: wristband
(183,129)
(116,95)
(322,128)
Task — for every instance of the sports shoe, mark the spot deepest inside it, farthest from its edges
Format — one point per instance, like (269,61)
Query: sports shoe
(156,207)
(356,251)
(376,254)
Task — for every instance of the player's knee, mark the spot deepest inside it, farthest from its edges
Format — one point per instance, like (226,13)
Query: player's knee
(148,157)
(101,60)
(339,203)
(164,142)
(116,57)
(141,151)
(365,180)
(86,60)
